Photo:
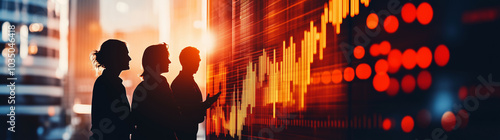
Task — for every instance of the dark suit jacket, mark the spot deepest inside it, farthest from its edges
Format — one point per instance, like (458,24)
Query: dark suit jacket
(189,98)
(154,110)
(110,108)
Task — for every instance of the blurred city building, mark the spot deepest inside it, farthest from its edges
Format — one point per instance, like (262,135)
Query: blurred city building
(41,32)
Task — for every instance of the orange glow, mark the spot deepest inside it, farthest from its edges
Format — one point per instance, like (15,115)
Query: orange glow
(372,21)
(409,13)
(326,77)
(441,55)
(409,59)
(336,76)
(374,50)
(424,57)
(424,80)
(381,82)
(386,125)
(462,93)
(393,87)
(359,52)
(51,111)
(391,24)
(348,74)
(407,124)
(381,66)
(363,71)
(424,13)
(394,59)
(408,83)
(384,47)
(448,121)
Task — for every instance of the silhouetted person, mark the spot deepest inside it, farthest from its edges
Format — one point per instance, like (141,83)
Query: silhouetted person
(110,107)
(154,111)
(188,94)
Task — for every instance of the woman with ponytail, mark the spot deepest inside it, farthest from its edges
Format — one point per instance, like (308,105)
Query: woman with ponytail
(110,107)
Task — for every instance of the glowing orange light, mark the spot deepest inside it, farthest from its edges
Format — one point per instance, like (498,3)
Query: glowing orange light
(348,74)
(424,57)
(448,121)
(393,87)
(359,52)
(424,13)
(441,55)
(424,80)
(51,111)
(386,125)
(408,83)
(381,82)
(424,118)
(381,66)
(394,59)
(363,71)
(374,50)
(372,21)
(409,12)
(325,77)
(409,59)
(407,124)
(384,47)
(336,76)
(391,24)
(462,93)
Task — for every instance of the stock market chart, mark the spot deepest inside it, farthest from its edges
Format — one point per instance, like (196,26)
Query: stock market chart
(354,69)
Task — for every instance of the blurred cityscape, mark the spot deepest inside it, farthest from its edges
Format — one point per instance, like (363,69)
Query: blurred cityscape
(54,39)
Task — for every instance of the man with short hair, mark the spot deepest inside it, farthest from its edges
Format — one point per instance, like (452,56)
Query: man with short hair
(188,95)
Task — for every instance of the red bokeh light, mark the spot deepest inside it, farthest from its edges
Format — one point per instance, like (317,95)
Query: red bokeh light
(363,71)
(409,59)
(393,87)
(381,82)
(359,52)
(424,57)
(348,74)
(448,121)
(372,21)
(391,24)
(384,47)
(462,93)
(424,80)
(463,117)
(381,66)
(374,50)
(336,76)
(408,83)
(407,124)
(387,124)
(442,55)
(409,12)
(394,60)
(424,13)
(326,77)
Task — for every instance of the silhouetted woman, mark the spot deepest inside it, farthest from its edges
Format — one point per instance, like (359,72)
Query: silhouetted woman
(110,107)
(154,110)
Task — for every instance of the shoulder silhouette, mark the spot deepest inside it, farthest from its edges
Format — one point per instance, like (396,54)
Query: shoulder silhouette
(188,94)
(155,113)
(110,107)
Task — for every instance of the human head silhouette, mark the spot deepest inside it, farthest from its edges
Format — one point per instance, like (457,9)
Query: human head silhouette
(112,55)
(190,59)
(156,58)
